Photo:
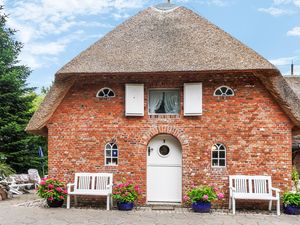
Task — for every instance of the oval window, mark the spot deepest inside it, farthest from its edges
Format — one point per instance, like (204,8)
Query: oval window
(164,150)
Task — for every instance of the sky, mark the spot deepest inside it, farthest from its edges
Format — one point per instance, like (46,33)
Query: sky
(55,31)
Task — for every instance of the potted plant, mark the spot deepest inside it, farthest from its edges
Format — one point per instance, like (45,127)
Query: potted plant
(291,200)
(126,194)
(53,190)
(200,198)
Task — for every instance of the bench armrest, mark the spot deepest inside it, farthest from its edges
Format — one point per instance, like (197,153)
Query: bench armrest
(69,186)
(232,188)
(276,189)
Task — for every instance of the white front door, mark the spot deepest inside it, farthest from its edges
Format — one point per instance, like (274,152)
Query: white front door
(164,169)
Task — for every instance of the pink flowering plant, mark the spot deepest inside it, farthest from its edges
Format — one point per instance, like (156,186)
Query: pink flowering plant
(203,194)
(126,192)
(52,189)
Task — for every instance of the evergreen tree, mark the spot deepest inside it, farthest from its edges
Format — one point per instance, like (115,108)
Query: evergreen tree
(16,104)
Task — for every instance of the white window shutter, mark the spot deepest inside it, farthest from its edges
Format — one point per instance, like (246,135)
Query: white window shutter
(193,99)
(134,102)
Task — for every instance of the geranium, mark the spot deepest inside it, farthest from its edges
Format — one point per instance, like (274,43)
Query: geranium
(203,194)
(126,192)
(52,189)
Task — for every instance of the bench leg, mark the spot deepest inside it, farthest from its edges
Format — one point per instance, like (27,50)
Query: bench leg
(108,202)
(270,205)
(278,206)
(111,202)
(233,206)
(75,199)
(68,201)
(229,202)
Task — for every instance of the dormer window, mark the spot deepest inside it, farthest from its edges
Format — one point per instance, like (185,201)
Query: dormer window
(105,93)
(224,91)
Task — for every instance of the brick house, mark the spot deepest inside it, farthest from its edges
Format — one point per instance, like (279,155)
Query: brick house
(294,82)
(170,101)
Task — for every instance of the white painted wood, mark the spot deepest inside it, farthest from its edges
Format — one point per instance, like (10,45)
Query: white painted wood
(252,188)
(134,99)
(98,184)
(193,99)
(164,173)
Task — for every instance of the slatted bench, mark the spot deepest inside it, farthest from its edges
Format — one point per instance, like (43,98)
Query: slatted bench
(252,188)
(94,184)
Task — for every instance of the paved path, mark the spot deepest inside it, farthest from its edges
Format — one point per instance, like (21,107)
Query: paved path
(10,214)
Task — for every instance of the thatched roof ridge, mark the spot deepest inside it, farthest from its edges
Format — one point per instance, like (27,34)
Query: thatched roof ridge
(160,41)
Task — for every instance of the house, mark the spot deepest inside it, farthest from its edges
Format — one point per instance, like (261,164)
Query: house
(169,100)
(294,82)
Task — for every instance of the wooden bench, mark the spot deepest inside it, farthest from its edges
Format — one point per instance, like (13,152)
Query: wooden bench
(95,184)
(252,188)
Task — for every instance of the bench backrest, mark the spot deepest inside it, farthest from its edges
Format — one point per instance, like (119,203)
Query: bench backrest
(93,182)
(251,184)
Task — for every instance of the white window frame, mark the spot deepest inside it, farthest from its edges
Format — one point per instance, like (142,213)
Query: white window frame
(163,89)
(218,150)
(111,156)
(105,97)
(224,94)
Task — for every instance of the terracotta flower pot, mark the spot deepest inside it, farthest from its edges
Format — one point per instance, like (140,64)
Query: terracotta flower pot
(201,207)
(55,203)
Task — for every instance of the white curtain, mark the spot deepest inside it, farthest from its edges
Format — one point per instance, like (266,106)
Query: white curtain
(171,102)
(155,100)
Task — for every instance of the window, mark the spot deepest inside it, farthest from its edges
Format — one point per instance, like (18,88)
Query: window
(164,102)
(111,154)
(218,155)
(224,91)
(105,93)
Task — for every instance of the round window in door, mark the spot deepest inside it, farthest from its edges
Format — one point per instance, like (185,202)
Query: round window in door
(164,151)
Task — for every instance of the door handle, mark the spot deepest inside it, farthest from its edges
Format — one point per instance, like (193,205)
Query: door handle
(149,151)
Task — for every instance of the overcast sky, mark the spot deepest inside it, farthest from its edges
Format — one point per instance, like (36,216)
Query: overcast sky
(55,31)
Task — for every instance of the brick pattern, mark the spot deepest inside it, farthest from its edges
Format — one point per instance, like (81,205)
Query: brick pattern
(252,126)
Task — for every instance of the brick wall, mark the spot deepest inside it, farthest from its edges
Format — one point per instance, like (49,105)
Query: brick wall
(255,130)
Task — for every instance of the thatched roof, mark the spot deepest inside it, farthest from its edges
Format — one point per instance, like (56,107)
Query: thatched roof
(157,41)
(174,39)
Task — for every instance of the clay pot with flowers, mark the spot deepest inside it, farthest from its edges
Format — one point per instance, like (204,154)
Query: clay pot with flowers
(200,198)
(126,193)
(53,190)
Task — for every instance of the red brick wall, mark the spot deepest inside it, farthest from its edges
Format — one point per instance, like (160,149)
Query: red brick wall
(255,130)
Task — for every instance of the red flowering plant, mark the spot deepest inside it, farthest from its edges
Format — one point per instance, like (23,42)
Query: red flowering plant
(52,189)
(126,192)
(203,194)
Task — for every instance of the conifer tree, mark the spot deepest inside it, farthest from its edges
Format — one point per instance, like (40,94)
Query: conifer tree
(18,149)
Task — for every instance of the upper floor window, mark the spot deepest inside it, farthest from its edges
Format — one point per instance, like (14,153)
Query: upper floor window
(105,93)
(224,91)
(111,154)
(164,101)
(218,155)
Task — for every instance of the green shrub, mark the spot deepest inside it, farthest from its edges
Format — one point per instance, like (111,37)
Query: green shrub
(290,198)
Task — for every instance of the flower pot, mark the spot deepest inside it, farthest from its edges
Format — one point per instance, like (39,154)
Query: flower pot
(201,207)
(291,210)
(125,206)
(55,203)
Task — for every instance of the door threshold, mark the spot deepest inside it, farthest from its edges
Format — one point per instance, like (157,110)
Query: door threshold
(164,203)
